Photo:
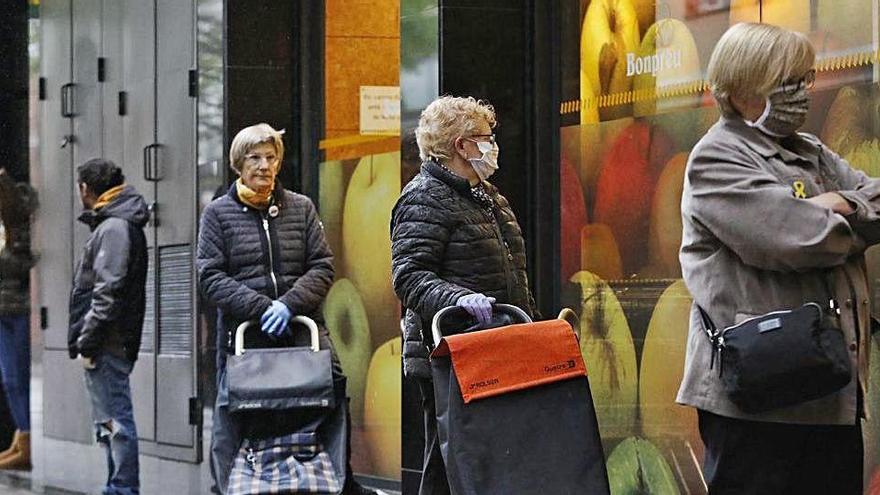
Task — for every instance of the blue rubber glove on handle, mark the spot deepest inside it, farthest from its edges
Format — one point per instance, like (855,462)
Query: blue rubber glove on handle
(478,305)
(275,319)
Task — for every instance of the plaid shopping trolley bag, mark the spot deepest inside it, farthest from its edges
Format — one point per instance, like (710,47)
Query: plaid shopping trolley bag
(514,410)
(292,416)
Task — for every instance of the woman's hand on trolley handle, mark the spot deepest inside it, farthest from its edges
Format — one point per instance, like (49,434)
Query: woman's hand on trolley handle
(275,319)
(477,305)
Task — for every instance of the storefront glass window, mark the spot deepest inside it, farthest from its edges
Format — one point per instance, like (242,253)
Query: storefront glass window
(358,185)
(634,104)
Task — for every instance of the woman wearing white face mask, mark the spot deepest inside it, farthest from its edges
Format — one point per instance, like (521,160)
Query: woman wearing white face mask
(774,220)
(455,241)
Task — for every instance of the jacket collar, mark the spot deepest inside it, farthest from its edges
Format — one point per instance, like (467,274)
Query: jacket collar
(434,169)
(277,194)
(790,149)
(460,184)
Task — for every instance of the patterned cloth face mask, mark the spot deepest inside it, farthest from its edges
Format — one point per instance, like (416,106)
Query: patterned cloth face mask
(785,110)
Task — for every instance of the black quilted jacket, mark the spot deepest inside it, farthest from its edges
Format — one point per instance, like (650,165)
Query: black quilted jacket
(236,265)
(445,244)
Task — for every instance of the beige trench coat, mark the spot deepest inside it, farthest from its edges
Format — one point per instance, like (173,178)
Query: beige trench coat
(751,245)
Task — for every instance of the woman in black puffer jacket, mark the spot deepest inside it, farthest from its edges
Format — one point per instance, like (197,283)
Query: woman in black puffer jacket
(455,241)
(262,255)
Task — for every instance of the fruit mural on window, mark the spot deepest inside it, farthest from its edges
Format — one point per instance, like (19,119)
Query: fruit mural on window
(642,105)
(362,313)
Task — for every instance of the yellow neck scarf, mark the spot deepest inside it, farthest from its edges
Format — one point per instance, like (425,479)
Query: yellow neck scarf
(252,198)
(107,196)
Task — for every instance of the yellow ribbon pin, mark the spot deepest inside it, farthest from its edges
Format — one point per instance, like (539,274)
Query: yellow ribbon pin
(800,189)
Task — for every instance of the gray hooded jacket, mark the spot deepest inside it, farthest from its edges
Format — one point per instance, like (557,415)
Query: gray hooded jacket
(108,298)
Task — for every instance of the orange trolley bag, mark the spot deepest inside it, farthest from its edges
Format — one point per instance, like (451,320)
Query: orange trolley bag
(514,409)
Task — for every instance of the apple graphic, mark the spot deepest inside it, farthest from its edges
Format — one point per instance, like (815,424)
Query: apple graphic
(671,40)
(382,412)
(625,189)
(865,156)
(849,20)
(346,319)
(589,110)
(668,39)
(664,235)
(849,121)
(595,141)
(573,216)
(637,467)
(366,244)
(599,253)
(645,12)
(331,198)
(661,371)
(790,14)
(607,347)
(610,30)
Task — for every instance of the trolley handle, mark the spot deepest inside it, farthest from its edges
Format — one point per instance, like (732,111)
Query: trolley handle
(503,308)
(305,320)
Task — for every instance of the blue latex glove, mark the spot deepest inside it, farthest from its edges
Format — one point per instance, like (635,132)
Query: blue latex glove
(275,319)
(478,305)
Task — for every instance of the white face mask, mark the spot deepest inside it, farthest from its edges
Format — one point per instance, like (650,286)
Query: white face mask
(487,164)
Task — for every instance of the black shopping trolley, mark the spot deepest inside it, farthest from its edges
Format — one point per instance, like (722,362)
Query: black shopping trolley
(292,415)
(514,410)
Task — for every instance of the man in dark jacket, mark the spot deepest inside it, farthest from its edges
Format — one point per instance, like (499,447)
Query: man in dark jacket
(107,311)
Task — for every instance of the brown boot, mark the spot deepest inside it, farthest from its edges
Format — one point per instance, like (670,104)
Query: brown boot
(13,446)
(21,458)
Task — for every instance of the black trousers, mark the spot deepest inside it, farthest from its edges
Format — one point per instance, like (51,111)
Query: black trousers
(752,457)
(433,469)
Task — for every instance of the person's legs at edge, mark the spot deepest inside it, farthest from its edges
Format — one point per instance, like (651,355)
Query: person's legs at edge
(747,457)
(832,461)
(15,365)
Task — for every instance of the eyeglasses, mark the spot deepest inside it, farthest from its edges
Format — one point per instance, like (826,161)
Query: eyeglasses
(491,137)
(806,82)
(256,159)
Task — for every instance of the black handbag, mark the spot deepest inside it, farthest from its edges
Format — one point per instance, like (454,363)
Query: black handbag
(280,378)
(781,358)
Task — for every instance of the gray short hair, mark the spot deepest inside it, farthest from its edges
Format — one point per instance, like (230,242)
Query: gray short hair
(750,60)
(446,119)
(251,136)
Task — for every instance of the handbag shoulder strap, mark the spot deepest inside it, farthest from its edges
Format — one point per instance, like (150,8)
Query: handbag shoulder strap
(712,333)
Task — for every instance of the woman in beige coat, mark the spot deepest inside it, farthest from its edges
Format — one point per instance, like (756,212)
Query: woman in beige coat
(774,219)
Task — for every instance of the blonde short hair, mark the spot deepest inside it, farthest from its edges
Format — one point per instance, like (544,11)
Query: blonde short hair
(250,137)
(446,119)
(751,60)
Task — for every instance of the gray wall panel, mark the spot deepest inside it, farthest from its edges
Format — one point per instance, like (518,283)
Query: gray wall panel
(88,122)
(68,411)
(172,397)
(53,222)
(112,41)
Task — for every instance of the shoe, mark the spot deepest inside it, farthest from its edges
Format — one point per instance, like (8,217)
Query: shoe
(21,458)
(13,446)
